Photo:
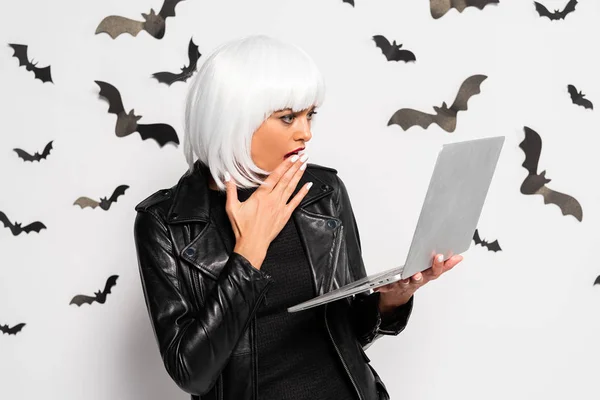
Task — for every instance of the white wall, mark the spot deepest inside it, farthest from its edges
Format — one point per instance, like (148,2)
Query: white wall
(520,324)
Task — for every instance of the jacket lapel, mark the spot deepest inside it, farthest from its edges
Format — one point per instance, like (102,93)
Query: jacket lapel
(320,234)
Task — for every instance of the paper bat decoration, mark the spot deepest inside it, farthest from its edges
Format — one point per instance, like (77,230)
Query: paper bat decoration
(577,98)
(154,24)
(535,183)
(12,331)
(99,296)
(597,281)
(43,74)
(186,71)
(17,229)
(37,156)
(491,246)
(104,204)
(444,117)
(127,122)
(393,51)
(351,2)
(439,8)
(556,15)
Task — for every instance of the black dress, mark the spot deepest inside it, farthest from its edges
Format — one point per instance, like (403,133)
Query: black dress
(296,359)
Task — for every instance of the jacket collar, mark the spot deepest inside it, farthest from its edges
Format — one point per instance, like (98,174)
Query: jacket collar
(191,201)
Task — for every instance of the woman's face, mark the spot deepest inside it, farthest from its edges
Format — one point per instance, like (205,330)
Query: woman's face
(283,132)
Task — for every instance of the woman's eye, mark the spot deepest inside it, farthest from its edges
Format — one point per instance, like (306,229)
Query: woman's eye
(311,114)
(287,118)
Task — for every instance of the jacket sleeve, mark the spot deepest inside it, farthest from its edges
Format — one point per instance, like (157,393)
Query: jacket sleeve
(194,347)
(366,320)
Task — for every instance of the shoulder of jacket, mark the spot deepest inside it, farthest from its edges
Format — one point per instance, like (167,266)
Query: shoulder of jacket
(321,167)
(155,198)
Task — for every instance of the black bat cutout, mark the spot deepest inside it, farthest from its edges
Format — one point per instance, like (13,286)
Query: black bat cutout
(17,229)
(444,117)
(556,15)
(43,74)
(491,246)
(12,330)
(535,183)
(99,296)
(37,156)
(578,98)
(597,281)
(186,71)
(439,8)
(393,51)
(351,2)
(153,23)
(127,122)
(104,204)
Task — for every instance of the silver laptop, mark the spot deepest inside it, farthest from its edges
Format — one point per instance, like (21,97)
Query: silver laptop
(457,190)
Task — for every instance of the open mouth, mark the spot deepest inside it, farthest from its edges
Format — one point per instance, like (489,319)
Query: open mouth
(294,152)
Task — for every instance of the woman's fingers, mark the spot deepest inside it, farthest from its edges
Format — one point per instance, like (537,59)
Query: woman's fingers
(275,176)
(231,191)
(297,171)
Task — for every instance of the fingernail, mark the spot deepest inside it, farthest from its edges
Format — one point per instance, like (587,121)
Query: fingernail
(418,277)
(227,176)
(308,185)
(294,158)
(440,258)
(304,157)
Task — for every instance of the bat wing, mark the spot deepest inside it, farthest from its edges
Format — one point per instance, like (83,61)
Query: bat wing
(543,11)
(82,299)
(382,43)
(597,281)
(476,237)
(25,155)
(351,2)
(162,133)
(585,103)
(20,52)
(112,95)
(568,205)
(406,56)
(34,226)
(532,146)
(569,8)
(5,220)
(481,3)
(115,25)
(42,74)
(408,117)
(168,77)
(168,8)
(470,87)
(118,192)
(193,57)
(494,246)
(84,202)
(12,331)
(47,149)
(110,282)
(573,93)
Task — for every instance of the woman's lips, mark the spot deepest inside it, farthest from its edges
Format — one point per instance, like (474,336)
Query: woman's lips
(300,152)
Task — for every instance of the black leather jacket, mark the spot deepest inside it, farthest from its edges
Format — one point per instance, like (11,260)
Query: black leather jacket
(202,297)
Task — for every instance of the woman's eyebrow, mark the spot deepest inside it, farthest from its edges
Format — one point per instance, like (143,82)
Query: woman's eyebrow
(312,108)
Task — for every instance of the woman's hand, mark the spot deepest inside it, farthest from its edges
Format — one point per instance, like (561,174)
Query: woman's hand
(398,293)
(259,219)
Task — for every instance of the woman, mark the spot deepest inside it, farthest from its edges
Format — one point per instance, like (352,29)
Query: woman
(222,254)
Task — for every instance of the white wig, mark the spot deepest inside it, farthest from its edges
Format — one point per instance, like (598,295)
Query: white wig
(236,89)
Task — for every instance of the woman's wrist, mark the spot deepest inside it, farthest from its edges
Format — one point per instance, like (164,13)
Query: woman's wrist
(253,253)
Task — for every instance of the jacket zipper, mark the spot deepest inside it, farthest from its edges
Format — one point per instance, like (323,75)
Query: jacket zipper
(338,352)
